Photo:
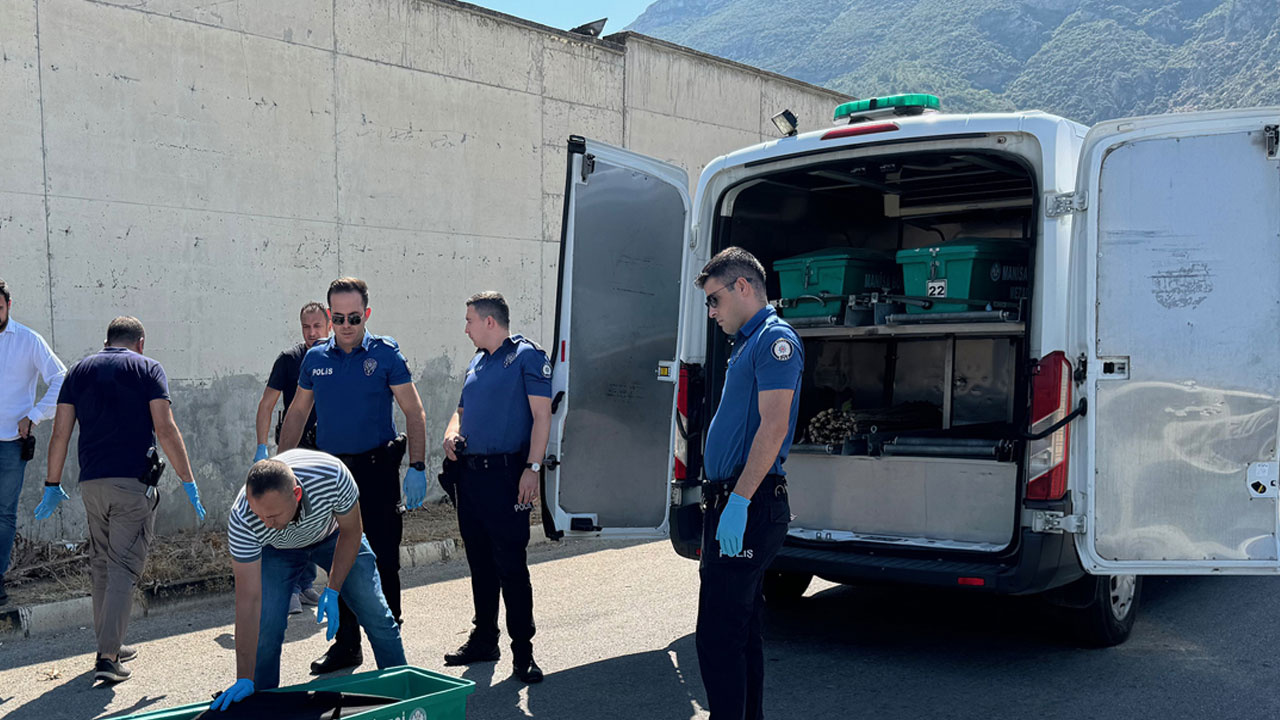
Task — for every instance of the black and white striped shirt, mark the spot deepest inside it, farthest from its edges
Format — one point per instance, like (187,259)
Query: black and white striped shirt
(327,490)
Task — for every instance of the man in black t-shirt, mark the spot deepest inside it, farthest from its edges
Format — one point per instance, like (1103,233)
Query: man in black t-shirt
(284,381)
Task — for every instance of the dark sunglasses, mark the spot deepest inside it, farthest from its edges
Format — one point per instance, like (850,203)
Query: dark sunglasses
(713,301)
(353,318)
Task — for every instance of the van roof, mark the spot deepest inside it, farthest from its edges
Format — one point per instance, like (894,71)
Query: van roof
(911,127)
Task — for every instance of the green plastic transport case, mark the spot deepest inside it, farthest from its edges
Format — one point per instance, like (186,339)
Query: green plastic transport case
(419,694)
(964,269)
(817,283)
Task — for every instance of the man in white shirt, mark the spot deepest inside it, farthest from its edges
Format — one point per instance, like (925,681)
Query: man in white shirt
(24,357)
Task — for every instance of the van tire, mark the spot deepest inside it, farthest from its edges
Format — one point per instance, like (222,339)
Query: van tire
(1108,619)
(784,588)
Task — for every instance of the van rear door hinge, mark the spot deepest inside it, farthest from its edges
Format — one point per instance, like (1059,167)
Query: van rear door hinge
(1272,135)
(1045,521)
(1066,203)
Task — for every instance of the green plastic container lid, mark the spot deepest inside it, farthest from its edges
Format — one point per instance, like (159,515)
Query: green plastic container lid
(964,248)
(839,255)
(911,100)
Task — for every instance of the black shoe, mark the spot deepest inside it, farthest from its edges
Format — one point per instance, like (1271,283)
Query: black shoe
(336,659)
(110,671)
(4,596)
(527,670)
(127,653)
(473,652)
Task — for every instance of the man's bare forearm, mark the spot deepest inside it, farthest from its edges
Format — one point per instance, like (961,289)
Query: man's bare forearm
(248,611)
(291,432)
(176,450)
(344,556)
(262,423)
(417,430)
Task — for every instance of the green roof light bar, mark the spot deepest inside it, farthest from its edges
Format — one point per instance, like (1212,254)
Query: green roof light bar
(909,104)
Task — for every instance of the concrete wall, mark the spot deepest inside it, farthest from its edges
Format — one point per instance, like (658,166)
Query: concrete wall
(210,167)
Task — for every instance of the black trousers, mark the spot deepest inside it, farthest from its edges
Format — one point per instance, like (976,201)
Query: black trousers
(495,531)
(730,636)
(377,475)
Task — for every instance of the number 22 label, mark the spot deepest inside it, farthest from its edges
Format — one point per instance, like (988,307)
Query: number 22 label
(936,289)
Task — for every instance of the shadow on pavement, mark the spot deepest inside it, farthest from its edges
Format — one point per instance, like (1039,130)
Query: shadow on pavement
(219,610)
(656,684)
(80,693)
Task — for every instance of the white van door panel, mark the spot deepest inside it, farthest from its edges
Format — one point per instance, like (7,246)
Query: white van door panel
(625,230)
(1177,256)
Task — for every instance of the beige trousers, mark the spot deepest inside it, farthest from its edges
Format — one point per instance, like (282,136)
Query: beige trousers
(122,518)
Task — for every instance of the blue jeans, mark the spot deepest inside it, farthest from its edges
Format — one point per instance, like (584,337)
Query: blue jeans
(362,591)
(12,470)
(306,578)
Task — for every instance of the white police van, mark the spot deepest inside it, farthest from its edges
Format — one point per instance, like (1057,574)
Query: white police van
(1132,398)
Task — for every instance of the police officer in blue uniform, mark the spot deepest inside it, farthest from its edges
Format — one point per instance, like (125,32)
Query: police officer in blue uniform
(350,380)
(495,444)
(745,498)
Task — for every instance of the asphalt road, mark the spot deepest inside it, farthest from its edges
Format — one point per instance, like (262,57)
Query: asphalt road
(615,636)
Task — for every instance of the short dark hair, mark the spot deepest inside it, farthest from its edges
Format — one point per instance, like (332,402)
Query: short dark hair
(490,303)
(348,284)
(125,330)
(4,290)
(732,263)
(269,476)
(311,307)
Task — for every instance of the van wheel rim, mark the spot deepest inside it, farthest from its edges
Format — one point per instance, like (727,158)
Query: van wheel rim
(1122,595)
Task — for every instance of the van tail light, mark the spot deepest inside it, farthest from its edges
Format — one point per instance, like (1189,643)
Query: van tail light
(682,422)
(1050,404)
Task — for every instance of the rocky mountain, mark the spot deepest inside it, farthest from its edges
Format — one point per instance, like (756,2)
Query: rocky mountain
(1086,59)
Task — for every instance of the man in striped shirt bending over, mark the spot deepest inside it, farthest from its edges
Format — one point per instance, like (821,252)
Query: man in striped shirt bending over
(297,508)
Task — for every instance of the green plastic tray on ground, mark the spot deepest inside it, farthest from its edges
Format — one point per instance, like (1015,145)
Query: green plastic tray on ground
(424,695)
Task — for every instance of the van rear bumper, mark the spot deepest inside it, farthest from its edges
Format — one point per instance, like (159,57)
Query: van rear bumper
(1042,562)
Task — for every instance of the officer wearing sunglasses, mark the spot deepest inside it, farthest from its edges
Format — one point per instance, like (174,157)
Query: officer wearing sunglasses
(745,496)
(351,380)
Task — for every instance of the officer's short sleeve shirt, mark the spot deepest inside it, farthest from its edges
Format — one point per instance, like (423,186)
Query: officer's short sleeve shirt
(767,355)
(496,416)
(353,395)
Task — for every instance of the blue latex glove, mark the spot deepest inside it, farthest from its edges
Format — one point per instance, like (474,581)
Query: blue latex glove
(328,608)
(415,488)
(242,689)
(261,454)
(733,522)
(53,495)
(193,494)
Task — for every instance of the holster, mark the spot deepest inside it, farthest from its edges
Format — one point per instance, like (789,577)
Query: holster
(155,468)
(448,477)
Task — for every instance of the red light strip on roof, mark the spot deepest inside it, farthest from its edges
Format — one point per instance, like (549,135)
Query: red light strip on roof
(853,130)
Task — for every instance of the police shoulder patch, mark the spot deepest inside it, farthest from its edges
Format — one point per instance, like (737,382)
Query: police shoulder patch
(782,349)
(546,369)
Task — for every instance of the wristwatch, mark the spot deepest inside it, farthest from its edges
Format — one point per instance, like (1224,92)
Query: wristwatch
(536,467)
(421,466)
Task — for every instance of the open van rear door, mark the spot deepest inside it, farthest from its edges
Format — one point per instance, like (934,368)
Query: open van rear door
(617,316)
(1176,311)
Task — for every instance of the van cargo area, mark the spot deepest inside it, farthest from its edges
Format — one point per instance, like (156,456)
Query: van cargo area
(908,277)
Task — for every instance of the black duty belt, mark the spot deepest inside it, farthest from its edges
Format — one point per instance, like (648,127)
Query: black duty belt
(493,462)
(716,494)
(391,452)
